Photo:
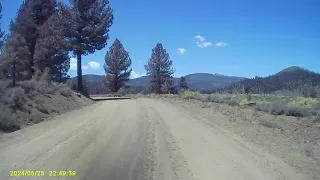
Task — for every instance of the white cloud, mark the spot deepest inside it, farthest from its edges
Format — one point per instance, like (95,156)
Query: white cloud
(135,75)
(181,50)
(94,65)
(200,38)
(91,65)
(202,42)
(73,64)
(221,44)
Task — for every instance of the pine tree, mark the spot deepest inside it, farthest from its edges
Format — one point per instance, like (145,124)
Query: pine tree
(52,50)
(1,32)
(313,92)
(148,88)
(166,87)
(247,89)
(117,64)
(60,69)
(183,85)
(2,62)
(160,70)
(31,15)
(86,25)
(13,64)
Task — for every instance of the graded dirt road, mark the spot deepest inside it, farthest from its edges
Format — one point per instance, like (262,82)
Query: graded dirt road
(135,139)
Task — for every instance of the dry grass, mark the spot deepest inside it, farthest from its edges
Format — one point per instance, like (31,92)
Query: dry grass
(65,91)
(33,100)
(275,105)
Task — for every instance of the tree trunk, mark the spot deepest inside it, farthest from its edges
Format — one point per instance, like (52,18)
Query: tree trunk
(79,72)
(14,74)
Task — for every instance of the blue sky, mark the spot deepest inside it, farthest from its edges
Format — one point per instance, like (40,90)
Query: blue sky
(243,38)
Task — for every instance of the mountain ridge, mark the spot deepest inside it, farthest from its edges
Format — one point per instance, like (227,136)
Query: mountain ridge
(289,79)
(293,79)
(196,81)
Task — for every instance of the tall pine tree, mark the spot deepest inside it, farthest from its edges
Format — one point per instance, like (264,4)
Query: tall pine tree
(14,64)
(160,70)
(86,26)
(52,50)
(31,15)
(1,32)
(117,64)
(2,69)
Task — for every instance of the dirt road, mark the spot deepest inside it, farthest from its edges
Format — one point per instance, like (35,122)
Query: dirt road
(135,139)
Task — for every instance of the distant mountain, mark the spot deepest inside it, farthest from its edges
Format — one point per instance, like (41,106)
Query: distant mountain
(293,78)
(140,81)
(209,82)
(90,78)
(198,81)
(94,82)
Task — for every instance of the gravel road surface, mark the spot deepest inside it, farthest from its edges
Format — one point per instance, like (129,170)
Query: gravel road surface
(134,139)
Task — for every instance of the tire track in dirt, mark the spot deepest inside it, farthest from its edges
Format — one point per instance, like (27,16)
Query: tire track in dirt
(169,162)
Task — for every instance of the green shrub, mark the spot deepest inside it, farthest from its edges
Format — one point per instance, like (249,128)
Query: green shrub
(316,118)
(36,116)
(43,108)
(280,107)
(233,101)
(7,120)
(69,83)
(216,98)
(14,97)
(244,102)
(305,101)
(206,98)
(4,85)
(315,109)
(65,91)
(192,95)
(297,111)
(262,106)
(277,107)
(29,86)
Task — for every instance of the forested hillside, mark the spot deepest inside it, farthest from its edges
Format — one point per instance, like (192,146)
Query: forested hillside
(290,81)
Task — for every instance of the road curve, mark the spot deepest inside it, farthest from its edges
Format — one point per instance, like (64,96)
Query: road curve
(134,139)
